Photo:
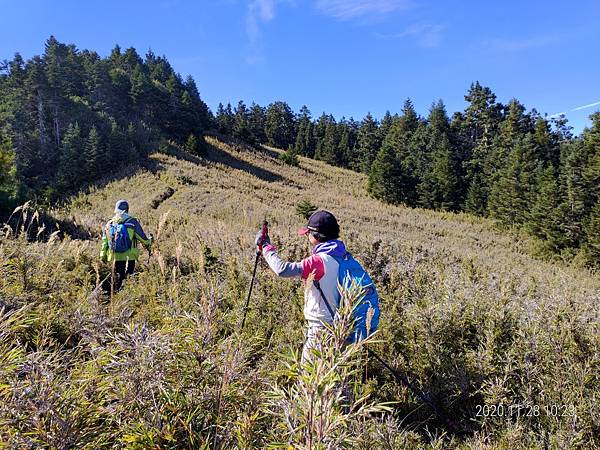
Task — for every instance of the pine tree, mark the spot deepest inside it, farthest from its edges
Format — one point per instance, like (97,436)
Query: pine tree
(573,193)
(481,120)
(8,170)
(225,119)
(241,125)
(305,209)
(257,121)
(542,220)
(191,145)
(514,192)
(386,124)
(591,172)
(304,144)
(369,142)
(138,90)
(401,134)
(72,158)
(387,180)
(347,135)
(592,236)
(439,188)
(280,125)
(92,154)
(546,142)
(117,143)
(328,146)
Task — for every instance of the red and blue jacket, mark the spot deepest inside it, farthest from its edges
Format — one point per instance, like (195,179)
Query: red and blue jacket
(320,266)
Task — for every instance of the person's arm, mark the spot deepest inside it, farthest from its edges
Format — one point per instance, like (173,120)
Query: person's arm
(311,266)
(281,268)
(140,235)
(104,246)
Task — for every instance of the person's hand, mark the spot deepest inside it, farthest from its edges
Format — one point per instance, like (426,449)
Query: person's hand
(259,238)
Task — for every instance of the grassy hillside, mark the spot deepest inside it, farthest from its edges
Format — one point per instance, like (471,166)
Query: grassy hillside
(466,313)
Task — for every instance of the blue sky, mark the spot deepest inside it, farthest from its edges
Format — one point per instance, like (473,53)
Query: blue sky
(346,57)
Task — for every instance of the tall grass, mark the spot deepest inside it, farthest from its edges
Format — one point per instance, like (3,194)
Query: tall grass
(467,315)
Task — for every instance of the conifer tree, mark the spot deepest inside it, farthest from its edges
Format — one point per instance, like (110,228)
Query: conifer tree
(591,172)
(92,153)
(481,120)
(514,192)
(384,175)
(72,157)
(304,144)
(191,145)
(280,125)
(573,193)
(386,124)
(328,146)
(225,119)
(592,236)
(546,142)
(439,188)
(257,122)
(241,125)
(387,180)
(368,144)
(8,182)
(542,220)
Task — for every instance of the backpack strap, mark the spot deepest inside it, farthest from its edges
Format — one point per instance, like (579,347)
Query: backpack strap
(318,286)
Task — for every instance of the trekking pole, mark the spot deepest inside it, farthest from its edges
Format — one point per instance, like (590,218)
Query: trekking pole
(397,374)
(265,230)
(419,393)
(148,248)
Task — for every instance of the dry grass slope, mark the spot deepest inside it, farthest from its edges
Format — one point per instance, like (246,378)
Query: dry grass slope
(466,312)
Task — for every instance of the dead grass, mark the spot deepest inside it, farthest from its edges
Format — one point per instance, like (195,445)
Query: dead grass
(466,311)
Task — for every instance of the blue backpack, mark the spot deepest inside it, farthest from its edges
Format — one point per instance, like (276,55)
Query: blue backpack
(351,271)
(118,236)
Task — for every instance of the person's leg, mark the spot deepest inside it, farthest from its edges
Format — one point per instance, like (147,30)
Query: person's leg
(314,332)
(130,268)
(120,274)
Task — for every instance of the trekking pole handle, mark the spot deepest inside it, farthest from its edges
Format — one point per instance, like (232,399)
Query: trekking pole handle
(265,232)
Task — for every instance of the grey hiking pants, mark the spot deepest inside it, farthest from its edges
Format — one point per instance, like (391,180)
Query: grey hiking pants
(314,332)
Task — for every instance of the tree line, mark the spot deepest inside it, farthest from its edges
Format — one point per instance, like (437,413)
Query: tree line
(70,117)
(494,160)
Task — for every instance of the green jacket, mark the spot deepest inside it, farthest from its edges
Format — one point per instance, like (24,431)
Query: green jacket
(136,234)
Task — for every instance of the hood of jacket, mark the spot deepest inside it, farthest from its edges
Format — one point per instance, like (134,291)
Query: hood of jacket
(120,217)
(334,248)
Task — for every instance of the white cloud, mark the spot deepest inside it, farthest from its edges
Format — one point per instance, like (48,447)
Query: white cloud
(425,34)
(577,108)
(351,9)
(259,11)
(262,11)
(591,105)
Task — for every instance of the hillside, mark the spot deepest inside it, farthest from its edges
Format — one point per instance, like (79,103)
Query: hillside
(466,312)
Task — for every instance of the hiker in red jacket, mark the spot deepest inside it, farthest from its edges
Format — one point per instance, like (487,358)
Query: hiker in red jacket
(321,297)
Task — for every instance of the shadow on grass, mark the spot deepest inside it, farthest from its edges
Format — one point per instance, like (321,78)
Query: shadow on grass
(39,227)
(214,154)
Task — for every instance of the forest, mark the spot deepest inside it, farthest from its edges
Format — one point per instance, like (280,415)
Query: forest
(70,117)
(449,215)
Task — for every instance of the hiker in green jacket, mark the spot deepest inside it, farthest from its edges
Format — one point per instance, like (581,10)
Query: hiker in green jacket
(120,239)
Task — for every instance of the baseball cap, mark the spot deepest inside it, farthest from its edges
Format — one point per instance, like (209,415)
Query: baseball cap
(322,222)
(121,206)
